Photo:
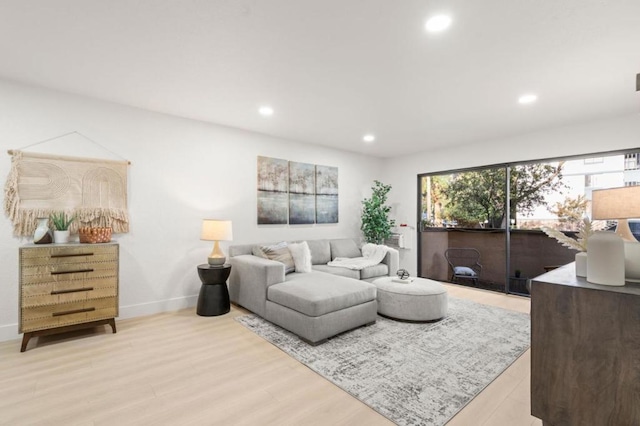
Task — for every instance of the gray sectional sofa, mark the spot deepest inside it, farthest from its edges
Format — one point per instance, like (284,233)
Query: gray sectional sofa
(314,305)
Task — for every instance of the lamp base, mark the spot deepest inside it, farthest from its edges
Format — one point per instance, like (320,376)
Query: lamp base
(217,257)
(216,261)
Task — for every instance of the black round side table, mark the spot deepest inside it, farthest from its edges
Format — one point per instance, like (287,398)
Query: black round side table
(214,294)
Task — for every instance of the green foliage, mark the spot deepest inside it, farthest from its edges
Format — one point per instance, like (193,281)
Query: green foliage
(478,196)
(60,222)
(376,225)
(433,199)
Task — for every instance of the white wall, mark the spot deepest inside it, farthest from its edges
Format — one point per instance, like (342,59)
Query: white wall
(182,171)
(595,136)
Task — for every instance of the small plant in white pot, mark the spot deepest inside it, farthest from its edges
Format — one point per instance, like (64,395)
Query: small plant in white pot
(61,227)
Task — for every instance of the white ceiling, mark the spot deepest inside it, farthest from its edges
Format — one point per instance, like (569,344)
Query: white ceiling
(334,70)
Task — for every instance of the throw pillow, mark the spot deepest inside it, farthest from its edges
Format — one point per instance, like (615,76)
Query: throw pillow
(278,252)
(301,256)
(463,270)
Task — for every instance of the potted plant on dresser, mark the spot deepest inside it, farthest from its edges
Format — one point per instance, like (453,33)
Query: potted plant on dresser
(61,227)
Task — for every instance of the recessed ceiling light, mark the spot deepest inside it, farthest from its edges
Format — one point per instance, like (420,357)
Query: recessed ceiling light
(265,110)
(527,99)
(368,138)
(437,23)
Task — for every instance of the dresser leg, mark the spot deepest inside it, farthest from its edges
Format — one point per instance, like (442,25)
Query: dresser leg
(112,323)
(25,341)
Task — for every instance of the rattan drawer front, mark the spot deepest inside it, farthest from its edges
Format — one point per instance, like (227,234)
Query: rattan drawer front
(43,317)
(70,254)
(68,272)
(73,260)
(51,293)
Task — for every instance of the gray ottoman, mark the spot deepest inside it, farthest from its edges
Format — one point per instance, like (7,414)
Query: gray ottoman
(419,300)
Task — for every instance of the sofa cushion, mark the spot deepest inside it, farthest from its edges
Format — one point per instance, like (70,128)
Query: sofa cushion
(381,269)
(301,256)
(317,293)
(320,251)
(345,247)
(336,270)
(278,252)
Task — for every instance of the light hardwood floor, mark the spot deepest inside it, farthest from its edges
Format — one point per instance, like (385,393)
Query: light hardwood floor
(177,368)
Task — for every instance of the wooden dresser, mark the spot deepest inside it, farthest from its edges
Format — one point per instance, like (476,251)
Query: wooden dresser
(65,287)
(585,351)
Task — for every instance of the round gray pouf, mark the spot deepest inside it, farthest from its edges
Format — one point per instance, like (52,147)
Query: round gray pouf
(419,300)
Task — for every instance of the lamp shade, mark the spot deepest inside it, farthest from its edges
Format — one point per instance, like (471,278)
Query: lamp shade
(616,203)
(216,230)
(620,204)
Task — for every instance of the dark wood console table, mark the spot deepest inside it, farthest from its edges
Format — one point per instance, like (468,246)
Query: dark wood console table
(585,351)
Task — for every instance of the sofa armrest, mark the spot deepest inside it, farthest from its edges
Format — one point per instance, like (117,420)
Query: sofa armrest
(250,278)
(392,260)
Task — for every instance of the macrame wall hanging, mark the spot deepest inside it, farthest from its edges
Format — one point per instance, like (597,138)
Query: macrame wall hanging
(94,191)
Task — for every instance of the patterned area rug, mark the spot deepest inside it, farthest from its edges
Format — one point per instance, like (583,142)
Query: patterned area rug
(414,373)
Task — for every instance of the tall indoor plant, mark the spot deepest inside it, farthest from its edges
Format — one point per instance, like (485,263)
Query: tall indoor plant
(376,225)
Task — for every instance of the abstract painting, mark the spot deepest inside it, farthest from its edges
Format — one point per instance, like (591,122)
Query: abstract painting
(302,202)
(273,191)
(326,194)
(296,193)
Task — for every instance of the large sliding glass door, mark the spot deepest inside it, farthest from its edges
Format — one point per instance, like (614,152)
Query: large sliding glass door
(463,216)
(502,218)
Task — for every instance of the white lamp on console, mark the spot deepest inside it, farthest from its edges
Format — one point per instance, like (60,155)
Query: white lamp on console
(216,230)
(621,204)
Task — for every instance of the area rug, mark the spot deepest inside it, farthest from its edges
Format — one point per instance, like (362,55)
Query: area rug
(414,373)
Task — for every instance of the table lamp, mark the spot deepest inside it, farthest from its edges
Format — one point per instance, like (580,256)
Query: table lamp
(216,230)
(621,204)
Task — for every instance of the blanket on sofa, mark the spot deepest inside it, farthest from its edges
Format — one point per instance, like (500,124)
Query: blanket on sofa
(372,254)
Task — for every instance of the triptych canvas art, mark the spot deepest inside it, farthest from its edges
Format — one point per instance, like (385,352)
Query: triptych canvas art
(296,193)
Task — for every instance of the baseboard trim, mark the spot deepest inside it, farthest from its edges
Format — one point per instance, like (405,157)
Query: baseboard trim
(10,331)
(150,308)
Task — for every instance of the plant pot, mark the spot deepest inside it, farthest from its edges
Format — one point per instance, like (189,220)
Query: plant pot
(61,237)
(42,235)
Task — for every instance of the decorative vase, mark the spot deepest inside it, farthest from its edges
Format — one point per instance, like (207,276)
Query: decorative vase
(581,264)
(605,259)
(42,235)
(61,237)
(632,261)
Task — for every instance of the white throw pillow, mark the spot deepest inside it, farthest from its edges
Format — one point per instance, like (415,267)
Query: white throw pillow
(301,256)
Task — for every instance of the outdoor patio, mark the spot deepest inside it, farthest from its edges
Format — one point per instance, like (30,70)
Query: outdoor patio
(532,253)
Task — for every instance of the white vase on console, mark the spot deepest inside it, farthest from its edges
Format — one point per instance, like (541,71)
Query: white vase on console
(605,259)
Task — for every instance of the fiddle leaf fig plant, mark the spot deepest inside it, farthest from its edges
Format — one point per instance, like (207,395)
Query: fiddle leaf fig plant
(376,225)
